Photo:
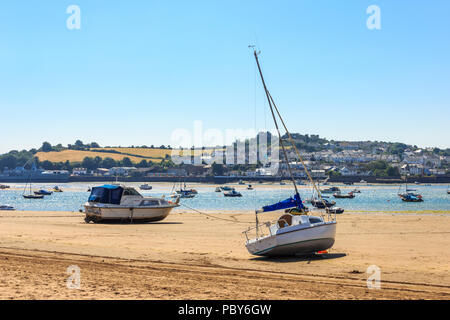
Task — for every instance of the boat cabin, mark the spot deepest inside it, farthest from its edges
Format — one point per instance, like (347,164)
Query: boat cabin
(124,196)
(288,220)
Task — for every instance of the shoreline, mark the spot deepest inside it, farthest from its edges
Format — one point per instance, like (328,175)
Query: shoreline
(192,256)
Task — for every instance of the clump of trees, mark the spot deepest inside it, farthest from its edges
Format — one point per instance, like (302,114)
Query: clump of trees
(79,145)
(381,168)
(15,158)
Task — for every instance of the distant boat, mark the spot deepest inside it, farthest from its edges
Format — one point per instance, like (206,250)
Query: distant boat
(33,196)
(218,189)
(356,191)
(186,195)
(410,195)
(232,193)
(57,189)
(363,181)
(344,196)
(241,182)
(282,183)
(249,187)
(184,190)
(43,192)
(331,190)
(2,187)
(225,188)
(348,183)
(146,187)
(6,208)
(334,210)
(322,204)
(30,195)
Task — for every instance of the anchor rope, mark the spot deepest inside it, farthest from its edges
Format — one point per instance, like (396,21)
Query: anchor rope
(213,217)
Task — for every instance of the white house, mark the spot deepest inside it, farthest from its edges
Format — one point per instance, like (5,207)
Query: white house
(121,171)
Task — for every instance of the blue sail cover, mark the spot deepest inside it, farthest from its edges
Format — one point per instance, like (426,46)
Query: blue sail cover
(285,204)
(106,194)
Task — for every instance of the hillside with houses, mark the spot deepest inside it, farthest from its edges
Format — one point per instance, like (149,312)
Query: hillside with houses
(325,158)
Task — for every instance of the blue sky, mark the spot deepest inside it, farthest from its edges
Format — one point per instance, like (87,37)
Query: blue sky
(138,70)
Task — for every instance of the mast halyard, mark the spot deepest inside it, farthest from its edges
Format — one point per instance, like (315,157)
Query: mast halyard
(298,153)
(275,121)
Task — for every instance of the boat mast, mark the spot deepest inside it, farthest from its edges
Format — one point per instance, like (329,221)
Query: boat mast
(275,120)
(272,106)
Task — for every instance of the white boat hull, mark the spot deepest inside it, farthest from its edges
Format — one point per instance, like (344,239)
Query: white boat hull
(295,240)
(99,212)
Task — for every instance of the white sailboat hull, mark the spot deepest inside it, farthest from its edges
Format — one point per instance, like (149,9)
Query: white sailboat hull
(295,240)
(99,212)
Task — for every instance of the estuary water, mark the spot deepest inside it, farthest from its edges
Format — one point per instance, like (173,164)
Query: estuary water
(371,198)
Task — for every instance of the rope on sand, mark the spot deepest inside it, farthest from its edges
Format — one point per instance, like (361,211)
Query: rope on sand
(213,217)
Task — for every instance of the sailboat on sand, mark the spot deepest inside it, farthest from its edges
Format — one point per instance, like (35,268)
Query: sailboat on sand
(296,232)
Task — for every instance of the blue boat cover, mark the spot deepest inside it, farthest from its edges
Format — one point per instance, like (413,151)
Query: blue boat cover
(285,204)
(106,194)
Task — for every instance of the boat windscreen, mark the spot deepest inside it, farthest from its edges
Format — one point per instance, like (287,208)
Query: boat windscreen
(106,194)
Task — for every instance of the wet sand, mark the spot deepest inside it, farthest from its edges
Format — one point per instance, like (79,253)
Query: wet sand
(195,256)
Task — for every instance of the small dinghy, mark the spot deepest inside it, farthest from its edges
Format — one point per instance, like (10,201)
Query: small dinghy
(146,187)
(57,189)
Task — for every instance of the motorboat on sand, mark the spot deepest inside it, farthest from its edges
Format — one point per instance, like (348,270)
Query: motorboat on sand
(121,203)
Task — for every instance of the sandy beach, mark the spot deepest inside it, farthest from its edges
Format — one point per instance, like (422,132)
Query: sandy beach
(196,256)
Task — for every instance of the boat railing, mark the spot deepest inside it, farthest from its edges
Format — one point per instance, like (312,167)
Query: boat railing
(268,225)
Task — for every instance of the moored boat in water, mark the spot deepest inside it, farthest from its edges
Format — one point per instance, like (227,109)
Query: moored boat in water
(349,195)
(331,190)
(145,187)
(232,193)
(43,192)
(410,195)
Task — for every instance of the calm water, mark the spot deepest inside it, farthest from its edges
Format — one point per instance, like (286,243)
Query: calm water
(371,198)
